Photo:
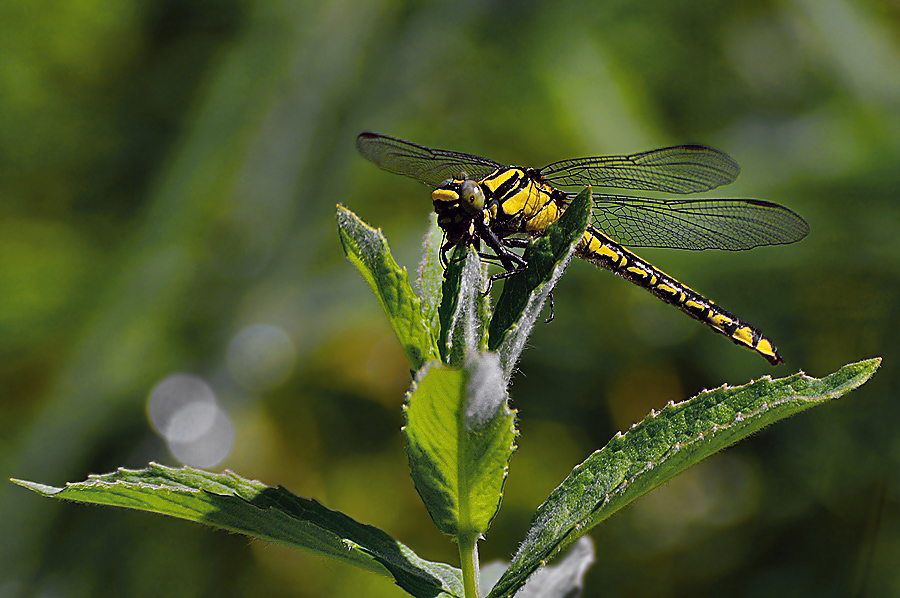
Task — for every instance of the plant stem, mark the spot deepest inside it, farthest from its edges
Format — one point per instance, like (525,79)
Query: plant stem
(468,560)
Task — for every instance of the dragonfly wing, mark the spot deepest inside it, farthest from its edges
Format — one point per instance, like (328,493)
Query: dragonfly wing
(732,224)
(676,169)
(430,166)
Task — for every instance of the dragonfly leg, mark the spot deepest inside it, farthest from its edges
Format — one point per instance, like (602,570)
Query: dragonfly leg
(490,284)
(511,262)
(444,249)
(516,242)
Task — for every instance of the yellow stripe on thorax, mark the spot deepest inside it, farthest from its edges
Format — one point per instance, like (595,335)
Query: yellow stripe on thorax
(527,199)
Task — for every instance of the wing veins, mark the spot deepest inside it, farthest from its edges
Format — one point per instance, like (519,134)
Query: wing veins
(732,224)
(676,169)
(424,164)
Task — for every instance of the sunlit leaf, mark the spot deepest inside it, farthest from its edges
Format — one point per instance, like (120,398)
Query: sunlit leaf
(524,294)
(658,448)
(431,273)
(565,579)
(368,250)
(464,307)
(461,432)
(230,502)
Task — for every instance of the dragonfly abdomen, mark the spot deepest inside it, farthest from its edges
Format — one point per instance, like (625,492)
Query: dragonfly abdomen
(602,251)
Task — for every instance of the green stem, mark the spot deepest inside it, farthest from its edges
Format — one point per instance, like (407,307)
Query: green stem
(468,560)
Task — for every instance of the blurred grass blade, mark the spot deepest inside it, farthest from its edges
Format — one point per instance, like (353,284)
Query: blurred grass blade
(230,502)
(464,307)
(368,250)
(524,294)
(461,436)
(659,447)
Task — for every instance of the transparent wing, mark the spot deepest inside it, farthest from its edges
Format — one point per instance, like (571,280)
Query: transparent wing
(677,169)
(733,224)
(430,166)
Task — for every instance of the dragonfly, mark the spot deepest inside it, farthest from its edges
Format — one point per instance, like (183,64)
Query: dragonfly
(479,200)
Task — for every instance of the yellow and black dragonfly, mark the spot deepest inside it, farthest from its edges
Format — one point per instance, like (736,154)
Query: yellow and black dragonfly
(479,200)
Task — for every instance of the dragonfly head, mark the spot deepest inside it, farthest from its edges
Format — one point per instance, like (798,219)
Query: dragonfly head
(471,196)
(462,192)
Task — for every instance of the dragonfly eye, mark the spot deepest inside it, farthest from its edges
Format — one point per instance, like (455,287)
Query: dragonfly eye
(472,196)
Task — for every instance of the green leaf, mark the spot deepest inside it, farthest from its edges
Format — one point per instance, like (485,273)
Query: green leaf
(658,448)
(431,273)
(524,294)
(233,503)
(461,436)
(368,250)
(565,579)
(464,308)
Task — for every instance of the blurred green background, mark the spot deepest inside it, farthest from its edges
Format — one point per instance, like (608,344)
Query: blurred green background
(169,174)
